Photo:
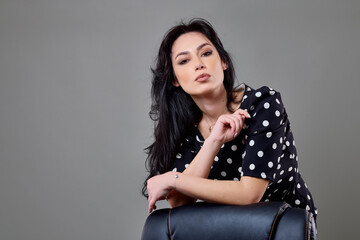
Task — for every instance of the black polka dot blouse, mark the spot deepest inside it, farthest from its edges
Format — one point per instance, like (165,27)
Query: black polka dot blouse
(265,148)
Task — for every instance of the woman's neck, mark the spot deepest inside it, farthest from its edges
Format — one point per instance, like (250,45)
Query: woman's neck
(212,106)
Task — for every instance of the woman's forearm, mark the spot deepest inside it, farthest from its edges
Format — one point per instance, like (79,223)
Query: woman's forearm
(227,127)
(199,167)
(201,164)
(247,190)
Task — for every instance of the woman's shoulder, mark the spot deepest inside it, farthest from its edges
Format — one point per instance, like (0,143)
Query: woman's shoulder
(265,107)
(259,92)
(256,96)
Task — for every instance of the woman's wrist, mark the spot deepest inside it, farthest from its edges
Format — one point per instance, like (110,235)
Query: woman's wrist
(213,143)
(173,179)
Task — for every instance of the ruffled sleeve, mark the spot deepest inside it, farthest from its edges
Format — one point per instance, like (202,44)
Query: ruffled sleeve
(266,131)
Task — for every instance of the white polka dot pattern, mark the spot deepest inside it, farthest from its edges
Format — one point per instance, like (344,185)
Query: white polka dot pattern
(265,149)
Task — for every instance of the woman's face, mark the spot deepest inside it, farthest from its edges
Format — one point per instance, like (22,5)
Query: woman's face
(197,64)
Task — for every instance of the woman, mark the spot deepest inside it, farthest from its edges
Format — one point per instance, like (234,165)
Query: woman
(206,130)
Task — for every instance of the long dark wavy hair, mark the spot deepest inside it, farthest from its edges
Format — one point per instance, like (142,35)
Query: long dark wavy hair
(173,111)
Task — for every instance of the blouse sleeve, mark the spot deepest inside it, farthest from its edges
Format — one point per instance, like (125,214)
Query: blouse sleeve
(265,134)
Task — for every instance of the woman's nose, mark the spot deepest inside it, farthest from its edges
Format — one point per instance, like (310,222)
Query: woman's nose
(199,65)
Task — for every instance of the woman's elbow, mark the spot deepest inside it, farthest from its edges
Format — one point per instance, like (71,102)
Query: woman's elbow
(254,198)
(175,202)
(252,189)
(176,199)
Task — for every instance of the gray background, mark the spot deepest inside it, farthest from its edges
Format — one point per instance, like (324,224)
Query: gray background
(74,102)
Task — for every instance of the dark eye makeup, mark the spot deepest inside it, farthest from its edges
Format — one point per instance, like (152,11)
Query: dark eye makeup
(206,53)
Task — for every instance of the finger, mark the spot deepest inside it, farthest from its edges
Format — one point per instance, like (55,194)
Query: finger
(239,119)
(242,112)
(151,206)
(237,127)
(242,121)
(243,118)
(237,122)
(230,121)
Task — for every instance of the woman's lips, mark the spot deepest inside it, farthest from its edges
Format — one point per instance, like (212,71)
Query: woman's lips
(202,77)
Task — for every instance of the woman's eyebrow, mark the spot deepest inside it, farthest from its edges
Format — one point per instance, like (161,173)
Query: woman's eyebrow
(187,52)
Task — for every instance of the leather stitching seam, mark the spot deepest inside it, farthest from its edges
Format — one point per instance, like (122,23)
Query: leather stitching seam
(273,224)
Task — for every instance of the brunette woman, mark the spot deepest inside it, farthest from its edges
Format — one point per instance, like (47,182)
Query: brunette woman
(214,142)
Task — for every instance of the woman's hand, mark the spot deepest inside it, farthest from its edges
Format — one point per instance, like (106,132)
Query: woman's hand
(158,187)
(228,126)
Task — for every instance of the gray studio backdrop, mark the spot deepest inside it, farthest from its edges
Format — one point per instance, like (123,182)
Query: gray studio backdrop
(75,96)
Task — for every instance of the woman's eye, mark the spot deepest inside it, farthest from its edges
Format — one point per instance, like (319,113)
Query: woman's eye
(208,53)
(182,62)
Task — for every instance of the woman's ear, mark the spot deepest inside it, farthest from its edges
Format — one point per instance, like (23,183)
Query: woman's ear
(224,65)
(175,83)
